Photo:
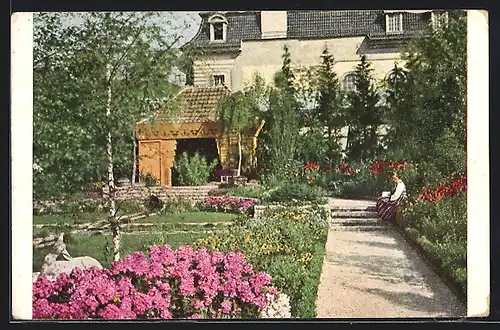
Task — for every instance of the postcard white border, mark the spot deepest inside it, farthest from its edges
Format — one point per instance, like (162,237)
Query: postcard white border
(478,247)
(478,185)
(22,163)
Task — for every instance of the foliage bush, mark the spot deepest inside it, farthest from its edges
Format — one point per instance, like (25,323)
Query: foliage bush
(299,191)
(69,207)
(171,284)
(179,206)
(289,244)
(153,204)
(130,206)
(149,180)
(193,171)
(246,191)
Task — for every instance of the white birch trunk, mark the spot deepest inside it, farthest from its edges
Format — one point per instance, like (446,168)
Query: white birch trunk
(134,166)
(115,228)
(240,154)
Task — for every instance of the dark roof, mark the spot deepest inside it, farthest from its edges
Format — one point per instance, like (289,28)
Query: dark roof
(305,24)
(240,26)
(197,105)
(347,23)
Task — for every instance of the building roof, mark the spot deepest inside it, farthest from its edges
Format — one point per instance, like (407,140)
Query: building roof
(240,26)
(197,105)
(308,24)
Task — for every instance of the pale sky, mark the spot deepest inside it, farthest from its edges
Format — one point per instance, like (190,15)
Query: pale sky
(175,19)
(193,20)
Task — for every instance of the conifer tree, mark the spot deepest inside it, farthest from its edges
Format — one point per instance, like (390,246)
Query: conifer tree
(364,114)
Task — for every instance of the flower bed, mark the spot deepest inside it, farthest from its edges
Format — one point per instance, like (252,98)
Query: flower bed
(289,244)
(262,210)
(457,184)
(365,179)
(436,221)
(228,204)
(182,283)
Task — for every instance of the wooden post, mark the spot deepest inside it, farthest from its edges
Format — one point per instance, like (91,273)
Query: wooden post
(168,148)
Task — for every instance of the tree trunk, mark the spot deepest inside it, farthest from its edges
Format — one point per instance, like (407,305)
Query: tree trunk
(115,228)
(134,158)
(240,154)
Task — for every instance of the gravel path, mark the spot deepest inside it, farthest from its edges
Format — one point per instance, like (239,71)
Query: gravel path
(370,271)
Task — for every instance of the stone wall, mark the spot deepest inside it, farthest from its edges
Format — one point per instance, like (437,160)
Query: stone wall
(192,193)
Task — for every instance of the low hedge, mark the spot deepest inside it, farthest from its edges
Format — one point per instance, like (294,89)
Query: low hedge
(439,231)
(294,191)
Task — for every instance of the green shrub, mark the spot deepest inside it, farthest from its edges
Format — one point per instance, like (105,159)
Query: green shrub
(246,191)
(148,179)
(193,171)
(179,206)
(299,191)
(278,244)
(153,204)
(130,206)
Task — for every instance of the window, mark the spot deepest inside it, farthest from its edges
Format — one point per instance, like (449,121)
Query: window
(395,75)
(218,31)
(350,82)
(218,28)
(219,80)
(394,23)
(439,19)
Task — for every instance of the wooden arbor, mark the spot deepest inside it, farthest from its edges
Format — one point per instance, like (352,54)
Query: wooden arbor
(198,119)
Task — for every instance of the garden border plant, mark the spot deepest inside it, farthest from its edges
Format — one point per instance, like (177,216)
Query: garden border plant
(278,244)
(181,283)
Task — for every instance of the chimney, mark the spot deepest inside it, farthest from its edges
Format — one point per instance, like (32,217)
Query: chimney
(273,24)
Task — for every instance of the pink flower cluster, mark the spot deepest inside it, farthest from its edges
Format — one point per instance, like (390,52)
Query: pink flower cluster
(228,204)
(182,283)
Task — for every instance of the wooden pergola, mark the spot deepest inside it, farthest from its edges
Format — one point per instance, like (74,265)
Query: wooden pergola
(197,119)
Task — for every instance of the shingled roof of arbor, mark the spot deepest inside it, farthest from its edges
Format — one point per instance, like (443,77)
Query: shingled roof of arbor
(308,24)
(197,105)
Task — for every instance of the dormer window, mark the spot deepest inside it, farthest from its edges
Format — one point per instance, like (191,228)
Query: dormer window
(439,19)
(394,22)
(218,28)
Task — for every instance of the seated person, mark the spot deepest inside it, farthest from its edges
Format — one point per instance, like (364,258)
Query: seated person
(387,205)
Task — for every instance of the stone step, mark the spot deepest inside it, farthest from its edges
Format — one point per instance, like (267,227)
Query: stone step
(359,228)
(353,214)
(352,208)
(356,221)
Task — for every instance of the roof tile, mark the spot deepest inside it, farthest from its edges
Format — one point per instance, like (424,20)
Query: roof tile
(198,105)
(307,24)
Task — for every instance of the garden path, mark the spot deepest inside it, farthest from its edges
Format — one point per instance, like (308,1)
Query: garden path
(370,271)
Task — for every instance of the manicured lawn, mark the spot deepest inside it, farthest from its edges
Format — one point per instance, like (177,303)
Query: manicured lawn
(67,218)
(193,217)
(94,245)
(79,218)
(168,229)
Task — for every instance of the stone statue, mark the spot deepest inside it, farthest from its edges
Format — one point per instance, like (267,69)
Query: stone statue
(52,267)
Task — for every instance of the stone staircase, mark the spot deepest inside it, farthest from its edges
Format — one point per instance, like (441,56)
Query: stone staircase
(355,217)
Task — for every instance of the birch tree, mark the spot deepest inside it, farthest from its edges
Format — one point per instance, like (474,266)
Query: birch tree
(92,82)
(240,111)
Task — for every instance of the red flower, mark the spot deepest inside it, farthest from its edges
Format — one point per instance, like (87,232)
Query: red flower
(443,190)
(311,166)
